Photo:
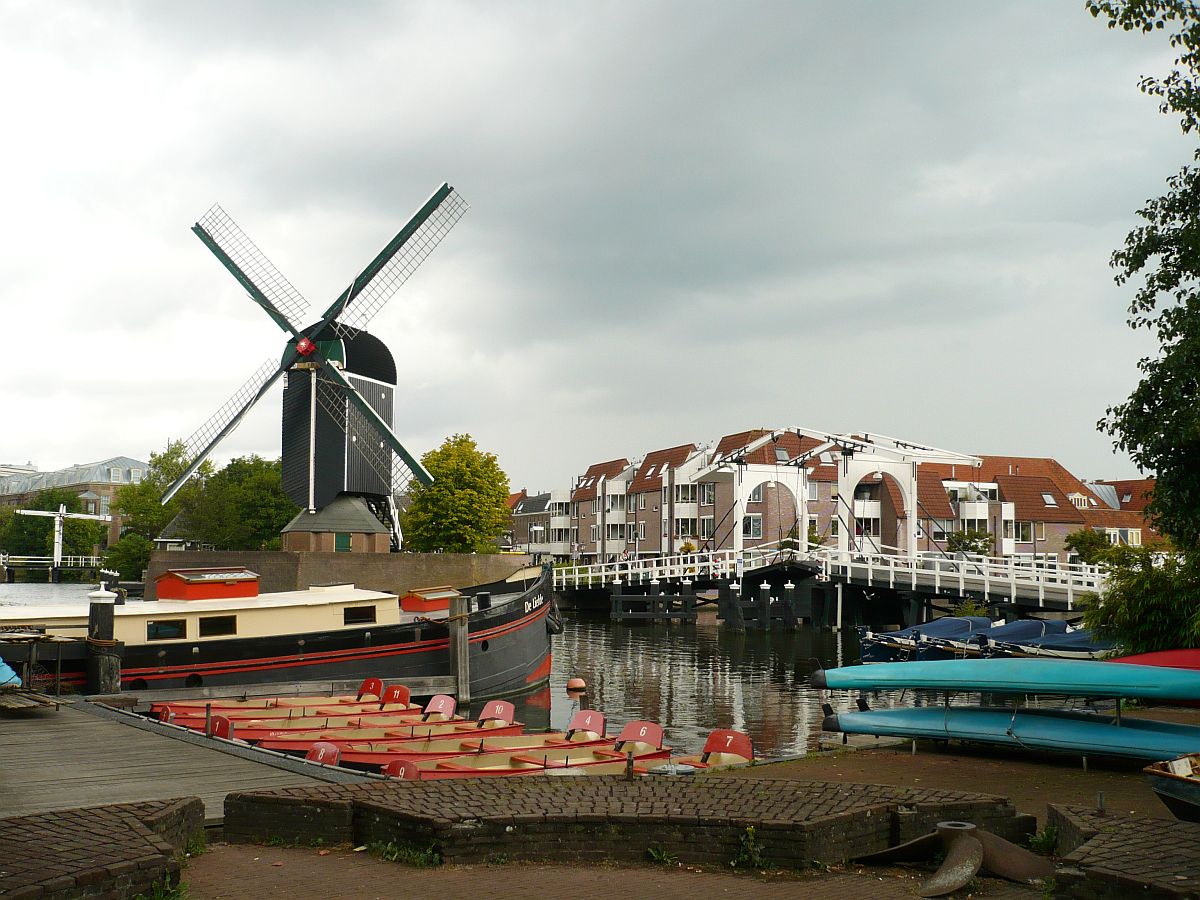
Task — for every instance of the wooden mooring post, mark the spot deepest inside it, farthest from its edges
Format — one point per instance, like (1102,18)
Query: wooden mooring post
(764,606)
(734,618)
(460,648)
(103,651)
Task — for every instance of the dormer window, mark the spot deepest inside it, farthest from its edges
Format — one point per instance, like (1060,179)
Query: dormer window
(781,455)
(1049,500)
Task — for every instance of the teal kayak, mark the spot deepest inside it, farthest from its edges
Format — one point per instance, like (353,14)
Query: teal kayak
(1067,677)
(1034,729)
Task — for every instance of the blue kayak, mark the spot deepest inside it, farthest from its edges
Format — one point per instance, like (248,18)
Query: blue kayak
(1067,677)
(1035,729)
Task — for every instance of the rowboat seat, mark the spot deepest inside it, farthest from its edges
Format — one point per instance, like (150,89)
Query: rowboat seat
(584,724)
(715,760)
(324,753)
(641,737)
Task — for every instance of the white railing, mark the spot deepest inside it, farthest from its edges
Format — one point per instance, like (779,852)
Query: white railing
(994,578)
(68,562)
(707,564)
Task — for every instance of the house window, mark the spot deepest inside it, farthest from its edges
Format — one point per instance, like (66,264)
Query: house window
(975,524)
(1022,532)
(135,475)
(752,526)
(781,455)
(685,493)
(833,527)
(104,506)
(616,502)
(833,492)
(708,494)
(665,496)
(341,542)
(595,533)
(1049,500)
(814,490)
(114,476)
(707,528)
(642,500)
(1079,501)
(166,629)
(641,531)
(358,615)
(214,626)
(756,494)
(1041,531)
(685,528)
(1135,537)
(1126,498)
(939,531)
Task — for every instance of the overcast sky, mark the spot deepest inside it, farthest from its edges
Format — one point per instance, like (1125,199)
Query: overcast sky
(688,219)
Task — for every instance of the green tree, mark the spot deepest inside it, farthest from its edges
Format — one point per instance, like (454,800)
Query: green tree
(1159,425)
(241,507)
(140,505)
(1149,601)
(970,541)
(1092,546)
(465,509)
(130,555)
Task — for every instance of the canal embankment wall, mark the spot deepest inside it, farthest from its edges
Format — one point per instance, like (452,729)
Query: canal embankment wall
(397,573)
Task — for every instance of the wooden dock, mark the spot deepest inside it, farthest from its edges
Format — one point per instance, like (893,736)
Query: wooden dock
(82,755)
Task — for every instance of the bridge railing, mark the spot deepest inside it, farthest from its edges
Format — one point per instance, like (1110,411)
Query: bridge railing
(68,562)
(708,564)
(1009,577)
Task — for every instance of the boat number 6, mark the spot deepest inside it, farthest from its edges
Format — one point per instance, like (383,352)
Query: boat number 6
(531,605)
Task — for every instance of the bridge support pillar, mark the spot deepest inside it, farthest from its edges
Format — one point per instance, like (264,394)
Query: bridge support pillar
(55,575)
(790,619)
(837,624)
(736,620)
(10,575)
(764,606)
(617,600)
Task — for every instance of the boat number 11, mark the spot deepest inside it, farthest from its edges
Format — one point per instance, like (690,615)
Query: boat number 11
(531,605)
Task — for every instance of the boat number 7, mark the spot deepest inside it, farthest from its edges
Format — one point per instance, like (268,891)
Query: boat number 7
(531,605)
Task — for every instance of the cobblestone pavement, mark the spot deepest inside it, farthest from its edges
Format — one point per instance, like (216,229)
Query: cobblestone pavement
(229,871)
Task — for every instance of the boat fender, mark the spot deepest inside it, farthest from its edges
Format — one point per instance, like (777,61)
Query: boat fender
(831,723)
(817,679)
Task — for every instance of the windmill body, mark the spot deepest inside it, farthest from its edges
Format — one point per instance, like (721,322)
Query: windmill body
(330,448)
(340,381)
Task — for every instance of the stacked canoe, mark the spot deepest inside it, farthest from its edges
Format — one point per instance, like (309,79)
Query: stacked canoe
(1015,726)
(380,730)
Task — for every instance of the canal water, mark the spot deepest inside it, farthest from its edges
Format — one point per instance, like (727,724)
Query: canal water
(688,678)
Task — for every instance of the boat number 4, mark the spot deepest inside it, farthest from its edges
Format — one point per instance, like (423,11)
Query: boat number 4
(531,605)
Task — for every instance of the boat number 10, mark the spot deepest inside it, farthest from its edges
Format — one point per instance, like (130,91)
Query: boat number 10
(531,605)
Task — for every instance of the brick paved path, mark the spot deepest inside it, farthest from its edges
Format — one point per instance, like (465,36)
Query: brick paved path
(235,871)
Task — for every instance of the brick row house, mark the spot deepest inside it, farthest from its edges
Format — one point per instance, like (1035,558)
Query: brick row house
(687,497)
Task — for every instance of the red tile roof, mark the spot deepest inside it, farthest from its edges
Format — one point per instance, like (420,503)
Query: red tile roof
(932,499)
(586,489)
(514,499)
(793,443)
(1138,491)
(1025,493)
(995,466)
(650,472)
(1115,518)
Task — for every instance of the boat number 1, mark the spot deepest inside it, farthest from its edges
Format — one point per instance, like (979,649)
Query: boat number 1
(531,605)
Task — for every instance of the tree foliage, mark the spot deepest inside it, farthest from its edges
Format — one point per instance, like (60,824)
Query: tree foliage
(1149,601)
(1159,424)
(140,505)
(241,507)
(970,541)
(465,509)
(1091,546)
(130,555)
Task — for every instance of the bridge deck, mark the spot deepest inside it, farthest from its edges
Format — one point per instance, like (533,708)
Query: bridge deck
(76,757)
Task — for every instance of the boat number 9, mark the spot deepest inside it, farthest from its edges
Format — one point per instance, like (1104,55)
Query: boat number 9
(531,605)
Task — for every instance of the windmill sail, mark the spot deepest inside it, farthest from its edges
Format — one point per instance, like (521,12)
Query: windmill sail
(376,284)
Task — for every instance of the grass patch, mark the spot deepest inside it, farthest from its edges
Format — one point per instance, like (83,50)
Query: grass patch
(661,857)
(164,890)
(750,851)
(1045,841)
(408,854)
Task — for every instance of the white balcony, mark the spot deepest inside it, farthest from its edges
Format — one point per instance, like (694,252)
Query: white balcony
(560,521)
(973,509)
(866,509)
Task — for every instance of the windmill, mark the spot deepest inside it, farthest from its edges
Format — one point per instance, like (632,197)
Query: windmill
(339,391)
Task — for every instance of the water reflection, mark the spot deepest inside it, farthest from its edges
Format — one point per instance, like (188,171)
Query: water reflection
(694,678)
